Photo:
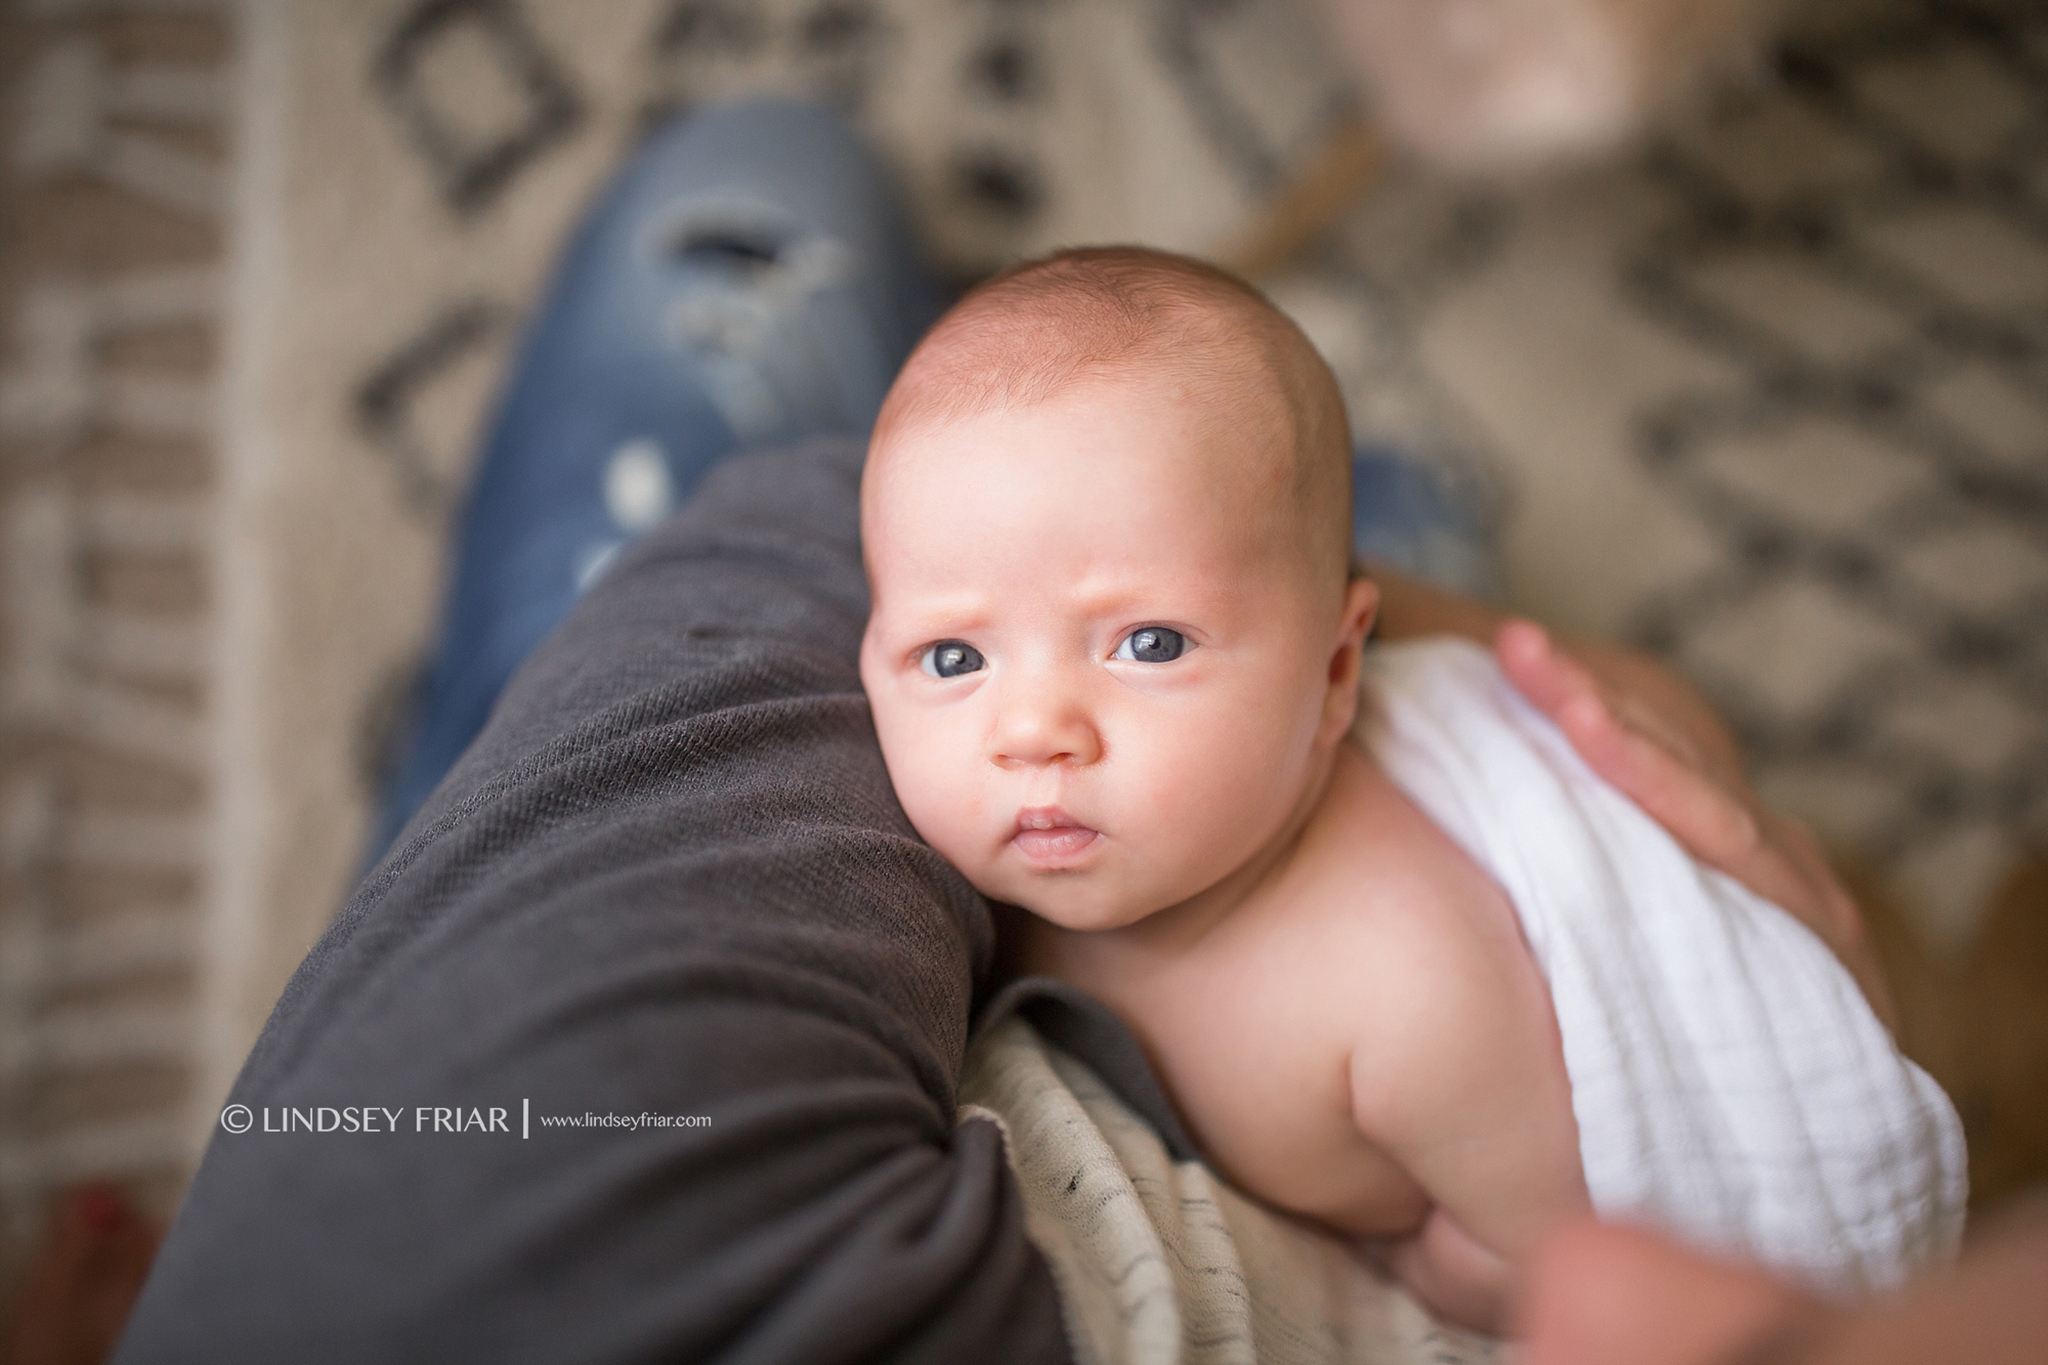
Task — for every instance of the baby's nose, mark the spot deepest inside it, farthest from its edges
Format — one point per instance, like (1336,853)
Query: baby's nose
(1039,726)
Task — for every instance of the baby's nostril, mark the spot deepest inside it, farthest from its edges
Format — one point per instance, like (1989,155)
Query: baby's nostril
(725,249)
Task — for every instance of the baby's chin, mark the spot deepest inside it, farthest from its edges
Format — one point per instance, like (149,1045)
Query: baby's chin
(1080,913)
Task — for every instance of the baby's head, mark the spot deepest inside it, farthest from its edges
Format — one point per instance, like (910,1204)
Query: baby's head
(1114,638)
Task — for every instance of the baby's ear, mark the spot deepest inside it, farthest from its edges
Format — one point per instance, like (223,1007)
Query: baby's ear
(1361,609)
(1340,700)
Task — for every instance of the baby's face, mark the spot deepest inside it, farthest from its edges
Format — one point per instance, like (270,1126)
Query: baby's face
(1101,678)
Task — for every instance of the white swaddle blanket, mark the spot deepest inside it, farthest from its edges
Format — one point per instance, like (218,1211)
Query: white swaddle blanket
(1730,1082)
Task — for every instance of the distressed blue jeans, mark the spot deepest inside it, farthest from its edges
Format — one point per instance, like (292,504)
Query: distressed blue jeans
(743,281)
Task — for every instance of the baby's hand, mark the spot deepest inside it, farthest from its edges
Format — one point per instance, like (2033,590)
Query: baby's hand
(1658,742)
(1456,1276)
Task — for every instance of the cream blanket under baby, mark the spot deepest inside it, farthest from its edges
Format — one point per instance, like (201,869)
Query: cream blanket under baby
(1730,1082)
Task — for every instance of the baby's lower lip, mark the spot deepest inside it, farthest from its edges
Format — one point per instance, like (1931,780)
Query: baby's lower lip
(1053,845)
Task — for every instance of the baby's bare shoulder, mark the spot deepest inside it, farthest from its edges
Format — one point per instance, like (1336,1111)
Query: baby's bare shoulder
(1372,863)
(1418,929)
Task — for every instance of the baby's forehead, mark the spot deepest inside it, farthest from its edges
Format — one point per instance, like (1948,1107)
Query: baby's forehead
(1187,428)
(953,502)
(1176,471)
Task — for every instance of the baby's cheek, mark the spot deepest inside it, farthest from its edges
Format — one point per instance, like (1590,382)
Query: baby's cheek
(931,813)
(929,786)
(1236,783)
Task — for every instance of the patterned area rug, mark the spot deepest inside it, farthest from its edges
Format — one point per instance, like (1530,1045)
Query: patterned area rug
(1771,398)
(114,204)
(1773,401)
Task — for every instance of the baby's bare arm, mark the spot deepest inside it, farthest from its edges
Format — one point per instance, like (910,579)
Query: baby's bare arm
(1455,1084)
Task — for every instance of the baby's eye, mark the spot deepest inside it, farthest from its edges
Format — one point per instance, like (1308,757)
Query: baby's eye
(1152,645)
(952,658)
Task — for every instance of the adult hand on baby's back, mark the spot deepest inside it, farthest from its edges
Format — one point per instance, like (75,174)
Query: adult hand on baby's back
(1603,1294)
(1643,729)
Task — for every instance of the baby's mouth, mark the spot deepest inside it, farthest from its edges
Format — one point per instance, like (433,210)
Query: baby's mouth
(1047,834)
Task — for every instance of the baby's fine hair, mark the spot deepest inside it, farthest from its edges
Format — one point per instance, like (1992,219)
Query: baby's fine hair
(1039,328)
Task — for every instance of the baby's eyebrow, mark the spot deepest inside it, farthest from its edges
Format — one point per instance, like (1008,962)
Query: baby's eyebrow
(923,614)
(942,612)
(1112,595)
(1115,596)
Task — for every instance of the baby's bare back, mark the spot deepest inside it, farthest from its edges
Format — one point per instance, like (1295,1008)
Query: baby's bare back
(1366,1041)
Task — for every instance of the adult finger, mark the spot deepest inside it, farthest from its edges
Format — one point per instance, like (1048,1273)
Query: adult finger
(1712,818)
(1649,763)
(1640,758)
(1554,679)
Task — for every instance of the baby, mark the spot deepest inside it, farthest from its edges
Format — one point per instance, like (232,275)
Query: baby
(1115,659)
